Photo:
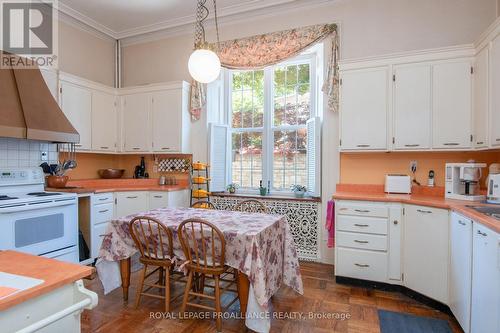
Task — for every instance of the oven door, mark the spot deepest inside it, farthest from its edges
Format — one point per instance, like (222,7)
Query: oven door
(40,228)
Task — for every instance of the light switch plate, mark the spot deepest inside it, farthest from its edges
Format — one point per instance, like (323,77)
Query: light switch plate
(44,156)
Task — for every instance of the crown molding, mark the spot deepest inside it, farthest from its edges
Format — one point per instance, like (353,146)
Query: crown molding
(442,53)
(184,25)
(488,35)
(227,20)
(81,18)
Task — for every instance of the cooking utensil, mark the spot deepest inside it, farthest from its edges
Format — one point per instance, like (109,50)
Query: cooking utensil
(111,173)
(46,168)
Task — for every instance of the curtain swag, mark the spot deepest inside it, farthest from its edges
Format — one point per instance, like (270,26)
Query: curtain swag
(268,49)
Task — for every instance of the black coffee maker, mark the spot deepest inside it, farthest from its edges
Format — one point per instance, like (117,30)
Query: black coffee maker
(140,170)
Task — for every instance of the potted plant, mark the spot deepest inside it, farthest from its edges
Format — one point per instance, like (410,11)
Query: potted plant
(231,188)
(298,190)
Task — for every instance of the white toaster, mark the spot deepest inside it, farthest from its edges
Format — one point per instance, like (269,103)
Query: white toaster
(397,184)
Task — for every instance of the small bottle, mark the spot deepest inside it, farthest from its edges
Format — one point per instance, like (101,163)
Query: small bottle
(430,180)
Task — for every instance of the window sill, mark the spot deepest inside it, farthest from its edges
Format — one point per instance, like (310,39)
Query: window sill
(269,196)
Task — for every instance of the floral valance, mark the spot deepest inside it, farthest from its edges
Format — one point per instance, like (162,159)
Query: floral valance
(268,49)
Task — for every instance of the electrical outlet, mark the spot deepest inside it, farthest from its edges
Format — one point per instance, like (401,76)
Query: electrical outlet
(413,166)
(44,156)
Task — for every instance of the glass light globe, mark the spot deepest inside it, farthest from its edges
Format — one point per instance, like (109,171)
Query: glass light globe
(204,65)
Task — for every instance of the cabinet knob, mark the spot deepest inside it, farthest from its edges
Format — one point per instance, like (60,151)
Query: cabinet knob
(362,265)
(395,222)
(451,144)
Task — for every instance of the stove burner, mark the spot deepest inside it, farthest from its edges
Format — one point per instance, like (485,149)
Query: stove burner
(43,194)
(6,197)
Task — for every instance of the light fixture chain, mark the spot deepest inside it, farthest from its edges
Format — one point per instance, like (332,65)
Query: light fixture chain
(201,14)
(216,25)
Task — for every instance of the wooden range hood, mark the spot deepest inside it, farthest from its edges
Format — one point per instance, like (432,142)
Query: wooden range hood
(27,108)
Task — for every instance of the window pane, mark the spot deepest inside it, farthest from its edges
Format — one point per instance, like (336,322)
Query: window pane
(291,107)
(304,73)
(247,108)
(236,107)
(303,104)
(290,159)
(247,159)
(291,75)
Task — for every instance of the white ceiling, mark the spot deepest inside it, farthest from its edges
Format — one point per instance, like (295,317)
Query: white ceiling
(125,18)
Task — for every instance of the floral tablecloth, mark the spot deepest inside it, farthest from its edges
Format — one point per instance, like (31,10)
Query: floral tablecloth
(259,245)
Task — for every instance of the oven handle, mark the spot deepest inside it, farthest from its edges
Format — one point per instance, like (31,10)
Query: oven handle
(33,206)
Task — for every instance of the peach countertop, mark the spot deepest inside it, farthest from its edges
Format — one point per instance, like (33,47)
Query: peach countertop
(55,274)
(118,185)
(421,196)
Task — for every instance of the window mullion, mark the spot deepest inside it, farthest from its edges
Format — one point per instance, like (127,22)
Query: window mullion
(268,136)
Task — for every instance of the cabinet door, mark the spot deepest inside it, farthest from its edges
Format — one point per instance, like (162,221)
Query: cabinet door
(495,96)
(167,120)
(426,251)
(104,121)
(128,203)
(395,236)
(178,198)
(412,107)
(485,280)
(452,98)
(50,78)
(461,269)
(481,95)
(158,200)
(76,103)
(98,232)
(364,105)
(136,124)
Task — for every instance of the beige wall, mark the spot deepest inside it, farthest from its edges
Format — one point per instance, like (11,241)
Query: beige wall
(86,55)
(367,28)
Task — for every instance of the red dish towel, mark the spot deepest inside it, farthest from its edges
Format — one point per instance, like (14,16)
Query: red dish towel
(330,223)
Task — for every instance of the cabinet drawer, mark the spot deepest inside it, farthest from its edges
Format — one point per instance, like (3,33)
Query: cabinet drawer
(102,198)
(362,241)
(102,213)
(158,200)
(98,232)
(128,203)
(370,225)
(362,209)
(361,264)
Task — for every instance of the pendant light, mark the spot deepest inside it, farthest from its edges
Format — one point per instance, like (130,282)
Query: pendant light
(204,64)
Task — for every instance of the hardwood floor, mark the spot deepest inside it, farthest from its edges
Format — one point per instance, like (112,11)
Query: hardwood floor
(321,295)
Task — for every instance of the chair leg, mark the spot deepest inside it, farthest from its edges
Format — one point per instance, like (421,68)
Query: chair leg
(186,292)
(161,277)
(202,283)
(218,318)
(140,286)
(167,290)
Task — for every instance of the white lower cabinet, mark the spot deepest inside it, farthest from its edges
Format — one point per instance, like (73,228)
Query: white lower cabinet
(101,212)
(128,203)
(426,251)
(446,257)
(178,198)
(485,307)
(158,200)
(460,269)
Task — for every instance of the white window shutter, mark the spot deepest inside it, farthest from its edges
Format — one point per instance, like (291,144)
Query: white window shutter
(314,156)
(219,138)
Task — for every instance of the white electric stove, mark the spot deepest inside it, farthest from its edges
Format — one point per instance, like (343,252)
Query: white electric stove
(34,221)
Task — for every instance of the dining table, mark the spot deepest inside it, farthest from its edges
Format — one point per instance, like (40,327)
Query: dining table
(259,246)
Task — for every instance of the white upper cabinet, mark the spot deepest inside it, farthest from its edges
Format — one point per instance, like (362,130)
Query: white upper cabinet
(363,107)
(412,106)
(76,103)
(169,120)
(452,99)
(136,122)
(426,252)
(104,121)
(51,80)
(480,99)
(494,89)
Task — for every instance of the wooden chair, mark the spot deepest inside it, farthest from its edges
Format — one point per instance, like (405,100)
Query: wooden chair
(204,248)
(154,241)
(251,206)
(203,205)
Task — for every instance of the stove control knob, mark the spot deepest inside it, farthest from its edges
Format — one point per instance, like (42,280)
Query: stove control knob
(23,174)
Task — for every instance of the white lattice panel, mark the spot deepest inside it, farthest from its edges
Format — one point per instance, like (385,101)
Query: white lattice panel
(302,216)
(174,165)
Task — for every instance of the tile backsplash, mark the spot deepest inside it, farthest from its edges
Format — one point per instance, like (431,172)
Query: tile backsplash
(26,153)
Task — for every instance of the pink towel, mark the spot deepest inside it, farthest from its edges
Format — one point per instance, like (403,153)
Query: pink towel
(330,223)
